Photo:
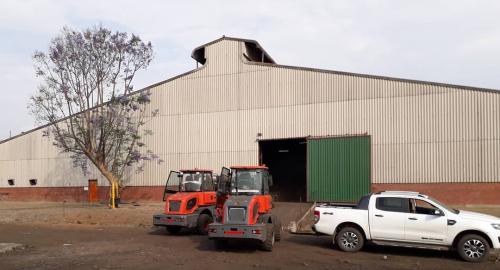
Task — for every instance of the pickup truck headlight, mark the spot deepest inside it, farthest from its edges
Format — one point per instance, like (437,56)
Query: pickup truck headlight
(496,226)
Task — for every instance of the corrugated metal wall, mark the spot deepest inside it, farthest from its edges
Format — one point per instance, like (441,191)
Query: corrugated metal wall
(421,133)
(338,169)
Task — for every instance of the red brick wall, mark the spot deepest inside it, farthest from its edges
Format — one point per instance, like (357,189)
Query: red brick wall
(43,194)
(451,193)
(460,193)
(77,194)
(142,194)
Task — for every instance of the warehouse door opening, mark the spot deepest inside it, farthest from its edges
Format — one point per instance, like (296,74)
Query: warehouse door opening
(286,160)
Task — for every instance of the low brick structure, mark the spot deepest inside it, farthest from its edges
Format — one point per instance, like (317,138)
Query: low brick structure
(78,194)
(450,193)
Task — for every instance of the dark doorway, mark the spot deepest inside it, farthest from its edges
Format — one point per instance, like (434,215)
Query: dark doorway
(286,160)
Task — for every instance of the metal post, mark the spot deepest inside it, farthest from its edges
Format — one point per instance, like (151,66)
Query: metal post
(112,195)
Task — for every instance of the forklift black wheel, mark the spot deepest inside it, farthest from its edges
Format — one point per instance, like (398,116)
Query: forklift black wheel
(277,229)
(268,244)
(173,229)
(203,221)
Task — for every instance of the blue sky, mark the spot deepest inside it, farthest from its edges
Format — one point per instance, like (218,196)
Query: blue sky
(445,41)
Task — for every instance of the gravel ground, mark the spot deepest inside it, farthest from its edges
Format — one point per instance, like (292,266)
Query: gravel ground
(76,236)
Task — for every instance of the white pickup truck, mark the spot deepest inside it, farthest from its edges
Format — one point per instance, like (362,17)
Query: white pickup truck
(408,219)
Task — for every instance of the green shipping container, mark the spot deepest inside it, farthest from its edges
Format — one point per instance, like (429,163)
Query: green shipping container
(338,169)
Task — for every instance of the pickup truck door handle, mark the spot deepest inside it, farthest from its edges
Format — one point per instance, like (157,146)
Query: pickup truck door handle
(379,215)
(413,218)
(327,213)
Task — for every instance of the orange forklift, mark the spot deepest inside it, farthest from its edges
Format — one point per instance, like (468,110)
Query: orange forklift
(244,208)
(190,201)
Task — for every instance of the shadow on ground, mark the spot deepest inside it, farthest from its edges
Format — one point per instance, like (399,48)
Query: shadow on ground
(326,242)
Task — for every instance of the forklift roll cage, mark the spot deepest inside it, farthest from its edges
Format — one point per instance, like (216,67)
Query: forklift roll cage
(175,176)
(228,182)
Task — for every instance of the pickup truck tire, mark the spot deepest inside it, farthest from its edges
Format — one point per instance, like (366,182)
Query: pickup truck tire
(203,221)
(473,248)
(173,229)
(349,239)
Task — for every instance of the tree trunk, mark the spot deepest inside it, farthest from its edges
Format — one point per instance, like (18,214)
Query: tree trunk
(114,183)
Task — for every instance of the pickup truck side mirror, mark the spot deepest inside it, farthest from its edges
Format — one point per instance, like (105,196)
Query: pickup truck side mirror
(438,212)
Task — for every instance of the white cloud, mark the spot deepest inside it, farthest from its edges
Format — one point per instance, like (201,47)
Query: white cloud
(446,41)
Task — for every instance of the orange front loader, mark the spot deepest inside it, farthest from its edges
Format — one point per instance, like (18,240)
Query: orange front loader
(244,211)
(190,201)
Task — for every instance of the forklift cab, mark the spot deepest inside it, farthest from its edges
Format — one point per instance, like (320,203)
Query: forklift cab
(191,203)
(244,180)
(189,181)
(250,180)
(243,208)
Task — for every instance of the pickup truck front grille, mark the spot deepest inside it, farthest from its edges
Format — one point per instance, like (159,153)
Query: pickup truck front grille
(236,214)
(174,206)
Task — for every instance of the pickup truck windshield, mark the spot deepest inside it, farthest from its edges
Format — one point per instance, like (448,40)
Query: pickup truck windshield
(455,211)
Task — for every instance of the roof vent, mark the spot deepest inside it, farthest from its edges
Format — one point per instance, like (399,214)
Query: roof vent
(199,55)
(254,53)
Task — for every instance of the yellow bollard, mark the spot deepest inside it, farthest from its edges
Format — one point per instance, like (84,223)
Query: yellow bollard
(112,195)
(117,191)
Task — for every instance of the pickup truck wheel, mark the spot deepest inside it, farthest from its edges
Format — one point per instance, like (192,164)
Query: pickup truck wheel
(349,239)
(203,221)
(173,229)
(473,248)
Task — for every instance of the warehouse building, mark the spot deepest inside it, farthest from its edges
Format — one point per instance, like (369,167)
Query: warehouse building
(325,135)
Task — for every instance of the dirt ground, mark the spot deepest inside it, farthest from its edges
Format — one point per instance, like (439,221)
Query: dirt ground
(76,236)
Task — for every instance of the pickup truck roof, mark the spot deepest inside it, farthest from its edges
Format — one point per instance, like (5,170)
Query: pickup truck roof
(402,193)
(364,201)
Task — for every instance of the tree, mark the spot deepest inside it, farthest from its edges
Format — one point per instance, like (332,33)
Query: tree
(86,97)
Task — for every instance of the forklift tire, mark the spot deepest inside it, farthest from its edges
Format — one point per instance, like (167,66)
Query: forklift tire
(173,229)
(268,244)
(277,234)
(220,244)
(203,221)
